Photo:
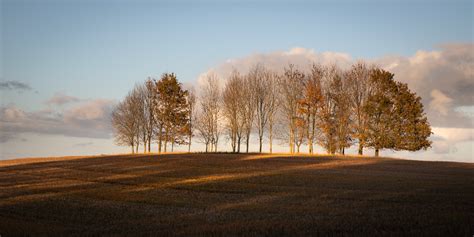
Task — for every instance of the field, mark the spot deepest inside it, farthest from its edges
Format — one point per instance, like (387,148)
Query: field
(230,194)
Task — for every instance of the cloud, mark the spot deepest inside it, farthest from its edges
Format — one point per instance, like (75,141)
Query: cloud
(14,86)
(61,99)
(90,119)
(445,139)
(276,61)
(442,77)
(440,102)
(7,136)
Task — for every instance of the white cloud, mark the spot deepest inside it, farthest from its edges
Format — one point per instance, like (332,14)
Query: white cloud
(90,119)
(443,78)
(61,99)
(440,102)
(445,139)
(11,114)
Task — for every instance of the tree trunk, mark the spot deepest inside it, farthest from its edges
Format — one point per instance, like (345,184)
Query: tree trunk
(291,142)
(261,140)
(233,142)
(166,139)
(376,152)
(189,144)
(361,149)
(172,145)
(149,144)
(133,149)
(160,138)
(248,141)
(238,144)
(271,136)
(313,129)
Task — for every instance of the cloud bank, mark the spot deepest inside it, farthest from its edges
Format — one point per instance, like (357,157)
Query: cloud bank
(444,78)
(88,118)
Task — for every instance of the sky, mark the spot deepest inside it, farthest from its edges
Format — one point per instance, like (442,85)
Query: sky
(64,64)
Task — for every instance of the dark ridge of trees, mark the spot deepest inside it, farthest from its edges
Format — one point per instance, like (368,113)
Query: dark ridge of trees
(333,108)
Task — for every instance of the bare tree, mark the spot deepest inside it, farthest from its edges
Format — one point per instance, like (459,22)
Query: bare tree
(273,104)
(291,85)
(125,124)
(358,85)
(141,105)
(263,97)
(248,105)
(208,123)
(150,96)
(191,99)
(137,108)
(204,128)
(232,96)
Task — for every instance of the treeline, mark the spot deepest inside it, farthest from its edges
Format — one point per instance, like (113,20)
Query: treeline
(324,106)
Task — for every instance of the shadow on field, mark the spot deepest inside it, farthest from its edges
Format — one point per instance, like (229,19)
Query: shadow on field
(235,194)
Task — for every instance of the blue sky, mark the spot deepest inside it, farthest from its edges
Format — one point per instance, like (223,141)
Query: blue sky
(99,49)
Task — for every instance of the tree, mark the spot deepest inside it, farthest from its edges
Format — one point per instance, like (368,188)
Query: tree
(174,109)
(136,107)
(150,96)
(248,99)
(311,102)
(191,102)
(359,90)
(291,84)
(301,129)
(412,127)
(379,109)
(273,104)
(327,113)
(395,116)
(232,96)
(125,124)
(342,113)
(208,122)
(140,105)
(263,97)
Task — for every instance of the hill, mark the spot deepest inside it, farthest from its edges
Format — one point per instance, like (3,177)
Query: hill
(234,194)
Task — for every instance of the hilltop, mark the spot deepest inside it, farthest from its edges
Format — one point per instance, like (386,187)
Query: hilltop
(234,194)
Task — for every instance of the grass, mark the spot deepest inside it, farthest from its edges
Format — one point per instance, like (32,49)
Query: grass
(231,194)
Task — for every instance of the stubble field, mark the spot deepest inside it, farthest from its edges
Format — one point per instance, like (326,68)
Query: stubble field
(235,194)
